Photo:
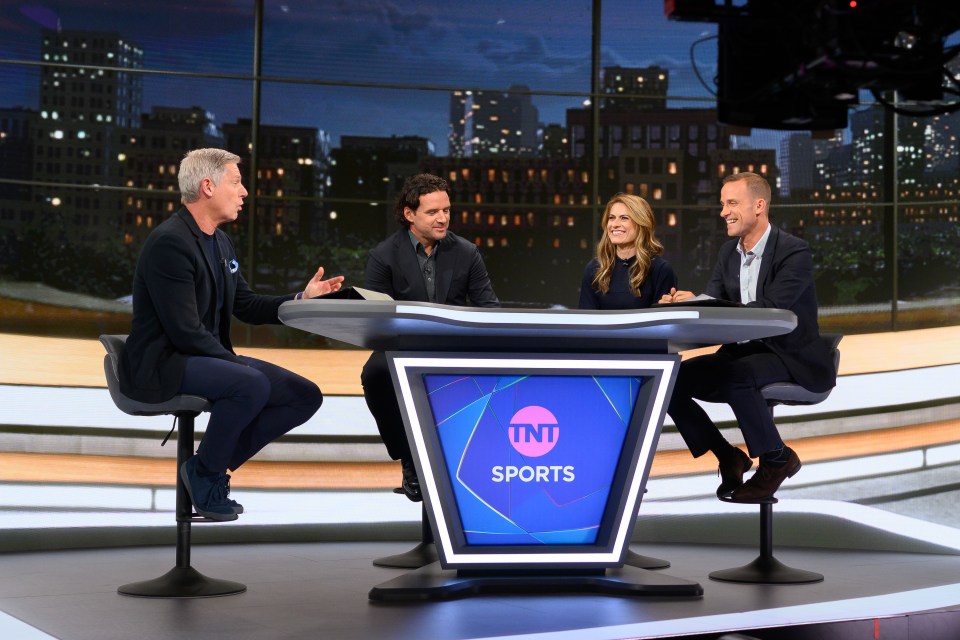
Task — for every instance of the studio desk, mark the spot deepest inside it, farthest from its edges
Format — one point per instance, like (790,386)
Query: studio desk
(533,431)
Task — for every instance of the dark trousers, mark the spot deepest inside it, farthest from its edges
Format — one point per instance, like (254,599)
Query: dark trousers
(382,401)
(253,405)
(733,376)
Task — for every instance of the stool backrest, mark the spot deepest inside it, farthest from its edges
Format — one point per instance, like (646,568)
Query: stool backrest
(114,344)
(793,394)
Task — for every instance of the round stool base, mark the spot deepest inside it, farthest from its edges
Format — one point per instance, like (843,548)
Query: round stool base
(182,583)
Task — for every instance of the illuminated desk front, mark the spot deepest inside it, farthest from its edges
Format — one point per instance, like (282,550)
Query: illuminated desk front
(533,431)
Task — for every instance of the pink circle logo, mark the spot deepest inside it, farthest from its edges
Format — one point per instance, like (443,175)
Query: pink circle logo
(533,431)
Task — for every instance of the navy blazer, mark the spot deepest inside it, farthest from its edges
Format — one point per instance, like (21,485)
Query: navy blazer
(785,282)
(174,297)
(462,280)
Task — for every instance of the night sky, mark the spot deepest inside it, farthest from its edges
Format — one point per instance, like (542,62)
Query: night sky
(543,44)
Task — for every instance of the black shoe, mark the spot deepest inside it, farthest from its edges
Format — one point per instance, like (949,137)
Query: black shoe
(206,492)
(731,472)
(411,483)
(767,480)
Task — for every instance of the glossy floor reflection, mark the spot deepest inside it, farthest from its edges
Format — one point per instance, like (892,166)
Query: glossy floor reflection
(313,590)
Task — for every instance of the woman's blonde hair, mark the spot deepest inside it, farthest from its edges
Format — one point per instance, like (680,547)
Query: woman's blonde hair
(646,244)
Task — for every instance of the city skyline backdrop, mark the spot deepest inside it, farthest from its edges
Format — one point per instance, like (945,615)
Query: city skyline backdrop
(120,96)
(492,45)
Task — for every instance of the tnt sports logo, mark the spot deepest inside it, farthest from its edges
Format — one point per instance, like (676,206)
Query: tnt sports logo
(533,431)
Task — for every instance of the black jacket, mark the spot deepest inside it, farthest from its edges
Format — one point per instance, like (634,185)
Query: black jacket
(174,294)
(462,279)
(785,282)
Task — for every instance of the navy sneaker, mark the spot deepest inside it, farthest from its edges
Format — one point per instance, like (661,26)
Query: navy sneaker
(225,482)
(206,492)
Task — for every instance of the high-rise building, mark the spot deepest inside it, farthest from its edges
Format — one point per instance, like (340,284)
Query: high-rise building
(532,218)
(633,88)
(365,173)
(492,123)
(90,100)
(152,161)
(554,144)
(291,173)
(16,167)
(694,132)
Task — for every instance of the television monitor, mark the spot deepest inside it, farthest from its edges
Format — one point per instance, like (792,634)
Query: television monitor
(533,460)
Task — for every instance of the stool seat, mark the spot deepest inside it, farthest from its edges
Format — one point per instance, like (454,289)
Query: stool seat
(183,581)
(111,369)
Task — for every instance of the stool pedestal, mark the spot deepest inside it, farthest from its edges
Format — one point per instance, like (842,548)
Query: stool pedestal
(183,581)
(766,569)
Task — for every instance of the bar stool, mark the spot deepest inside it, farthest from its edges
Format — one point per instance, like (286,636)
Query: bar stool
(183,581)
(766,569)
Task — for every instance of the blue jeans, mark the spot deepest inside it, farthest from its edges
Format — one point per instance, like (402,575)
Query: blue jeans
(253,404)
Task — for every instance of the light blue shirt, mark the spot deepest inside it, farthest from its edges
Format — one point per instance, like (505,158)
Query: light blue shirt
(750,267)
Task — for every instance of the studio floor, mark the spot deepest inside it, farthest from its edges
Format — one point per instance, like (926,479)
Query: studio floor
(320,590)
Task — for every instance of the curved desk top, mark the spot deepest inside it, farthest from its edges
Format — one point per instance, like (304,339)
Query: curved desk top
(395,325)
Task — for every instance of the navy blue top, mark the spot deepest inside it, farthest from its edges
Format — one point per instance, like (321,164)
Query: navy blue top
(658,282)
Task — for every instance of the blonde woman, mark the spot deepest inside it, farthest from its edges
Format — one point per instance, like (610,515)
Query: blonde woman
(628,272)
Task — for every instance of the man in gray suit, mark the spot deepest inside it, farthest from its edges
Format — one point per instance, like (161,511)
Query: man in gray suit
(422,262)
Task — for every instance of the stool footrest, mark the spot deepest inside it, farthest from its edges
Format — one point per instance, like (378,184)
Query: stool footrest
(196,517)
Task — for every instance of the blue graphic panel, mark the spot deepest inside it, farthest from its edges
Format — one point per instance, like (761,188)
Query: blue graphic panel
(531,458)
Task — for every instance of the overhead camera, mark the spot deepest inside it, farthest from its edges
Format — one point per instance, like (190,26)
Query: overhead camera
(799,64)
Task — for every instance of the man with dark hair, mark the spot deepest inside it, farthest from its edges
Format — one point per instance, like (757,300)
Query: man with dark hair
(187,285)
(763,267)
(423,262)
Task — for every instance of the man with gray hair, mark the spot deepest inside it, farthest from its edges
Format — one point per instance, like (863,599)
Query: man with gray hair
(187,285)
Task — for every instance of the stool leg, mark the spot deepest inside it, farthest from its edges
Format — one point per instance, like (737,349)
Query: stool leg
(420,556)
(766,569)
(183,581)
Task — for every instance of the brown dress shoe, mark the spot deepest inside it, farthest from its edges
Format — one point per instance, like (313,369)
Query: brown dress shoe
(731,472)
(767,480)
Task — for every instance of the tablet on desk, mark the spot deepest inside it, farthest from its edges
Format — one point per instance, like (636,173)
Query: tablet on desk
(353,293)
(701,300)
